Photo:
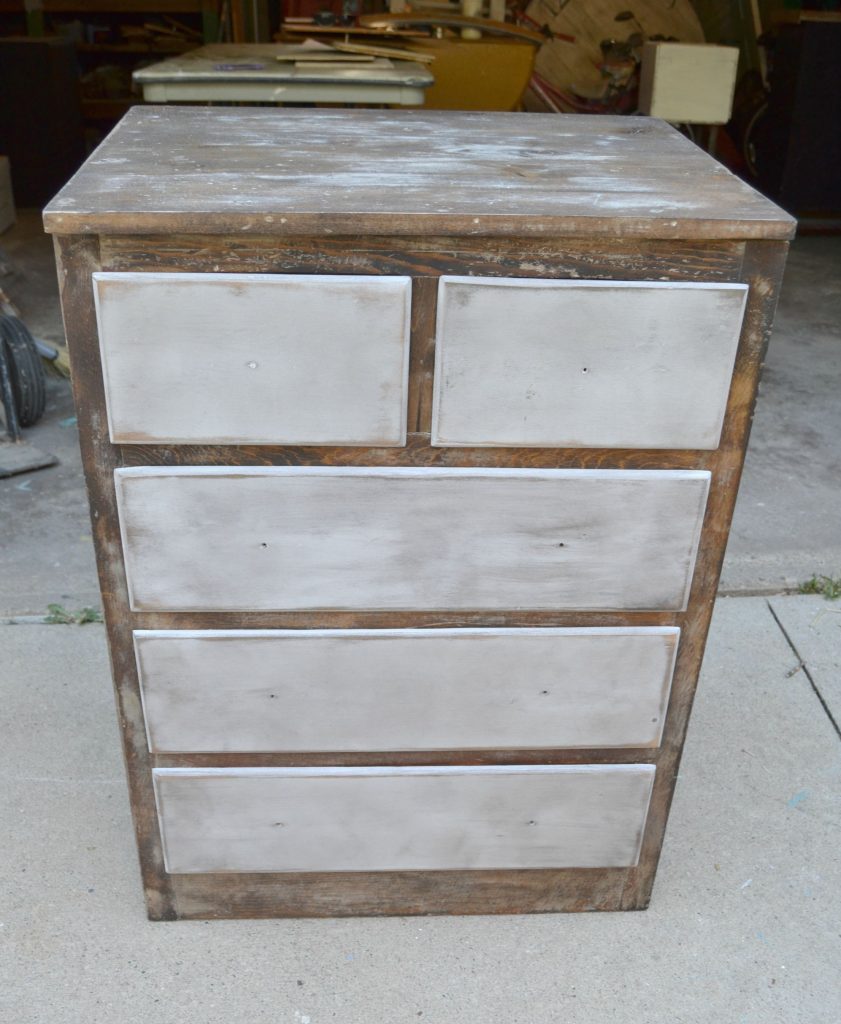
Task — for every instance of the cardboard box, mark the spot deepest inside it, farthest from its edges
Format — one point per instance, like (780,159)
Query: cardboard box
(688,83)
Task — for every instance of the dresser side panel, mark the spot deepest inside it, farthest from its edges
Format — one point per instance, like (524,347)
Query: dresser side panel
(78,260)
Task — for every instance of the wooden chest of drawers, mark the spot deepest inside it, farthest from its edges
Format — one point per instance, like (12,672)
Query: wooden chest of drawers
(412,443)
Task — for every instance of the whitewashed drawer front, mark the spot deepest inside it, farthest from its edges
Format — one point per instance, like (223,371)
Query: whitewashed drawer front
(587,364)
(235,539)
(254,358)
(404,689)
(402,819)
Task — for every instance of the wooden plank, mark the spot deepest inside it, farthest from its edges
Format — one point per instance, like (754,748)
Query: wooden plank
(371,50)
(176,169)
(323,33)
(417,451)
(354,538)
(260,359)
(376,893)
(506,618)
(583,364)
(411,689)
(475,26)
(624,259)
(422,364)
(381,819)
(450,756)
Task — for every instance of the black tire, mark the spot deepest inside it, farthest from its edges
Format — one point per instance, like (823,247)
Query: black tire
(29,385)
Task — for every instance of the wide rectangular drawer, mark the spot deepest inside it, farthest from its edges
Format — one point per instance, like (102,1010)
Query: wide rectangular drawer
(402,819)
(254,358)
(584,364)
(404,689)
(240,539)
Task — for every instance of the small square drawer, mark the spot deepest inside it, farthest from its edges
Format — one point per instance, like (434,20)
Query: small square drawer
(584,364)
(254,358)
(223,691)
(276,538)
(402,819)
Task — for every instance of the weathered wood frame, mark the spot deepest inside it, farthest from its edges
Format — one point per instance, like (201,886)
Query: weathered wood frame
(757,263)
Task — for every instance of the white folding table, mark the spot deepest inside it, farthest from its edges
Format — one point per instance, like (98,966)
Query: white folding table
(252,73)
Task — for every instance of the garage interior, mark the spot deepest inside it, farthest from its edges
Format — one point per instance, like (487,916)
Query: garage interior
(743,923)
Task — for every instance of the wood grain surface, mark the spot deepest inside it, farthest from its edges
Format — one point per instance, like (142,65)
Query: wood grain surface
(583,364)
(407,539)
(410,689)
(318,172)
(255,358)
(78,260)
(392,819)
(614,258)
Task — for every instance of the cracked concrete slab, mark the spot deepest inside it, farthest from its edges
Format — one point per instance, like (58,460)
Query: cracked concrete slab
(743,926)
(813,626)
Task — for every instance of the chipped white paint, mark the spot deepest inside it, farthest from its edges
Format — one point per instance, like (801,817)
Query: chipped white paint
(254,359)
(404,689)
(402,819)
(236,539)
(584,364)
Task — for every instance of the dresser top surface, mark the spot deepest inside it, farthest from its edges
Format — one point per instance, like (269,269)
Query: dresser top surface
(354,172)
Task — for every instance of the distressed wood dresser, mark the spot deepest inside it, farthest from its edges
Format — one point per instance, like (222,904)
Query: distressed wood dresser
(412,442)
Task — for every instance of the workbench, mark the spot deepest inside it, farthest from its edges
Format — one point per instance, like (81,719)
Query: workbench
(412,443)
(251,73)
